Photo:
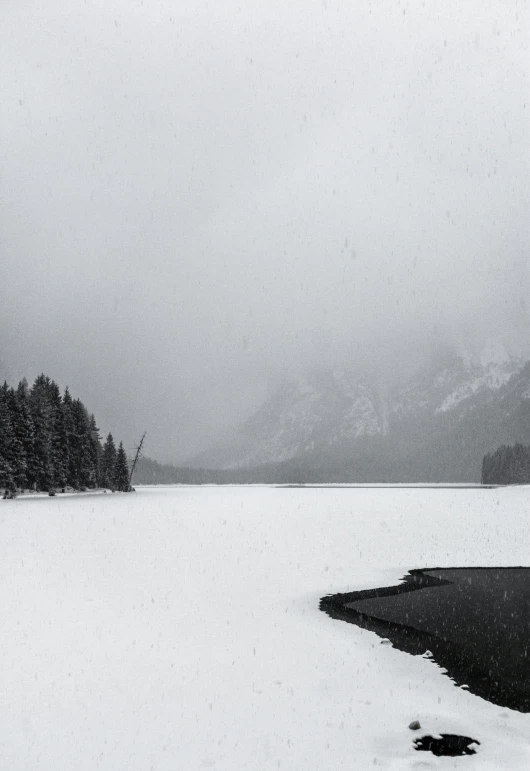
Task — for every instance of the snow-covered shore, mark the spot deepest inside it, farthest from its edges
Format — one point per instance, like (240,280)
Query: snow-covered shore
(179,628)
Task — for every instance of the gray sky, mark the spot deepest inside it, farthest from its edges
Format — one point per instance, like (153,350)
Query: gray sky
(198,197)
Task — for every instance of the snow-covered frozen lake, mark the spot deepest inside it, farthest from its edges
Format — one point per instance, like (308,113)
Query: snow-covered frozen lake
(179,628)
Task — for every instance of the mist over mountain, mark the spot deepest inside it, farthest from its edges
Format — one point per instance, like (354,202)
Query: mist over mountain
(435,425)
(203,200)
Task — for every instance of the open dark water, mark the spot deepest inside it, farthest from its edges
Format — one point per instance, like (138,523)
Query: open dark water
(475,622)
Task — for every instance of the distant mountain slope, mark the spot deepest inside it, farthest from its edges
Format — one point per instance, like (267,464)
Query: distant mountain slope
(436,426)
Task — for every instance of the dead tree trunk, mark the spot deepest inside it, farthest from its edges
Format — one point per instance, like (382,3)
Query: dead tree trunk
(138,455)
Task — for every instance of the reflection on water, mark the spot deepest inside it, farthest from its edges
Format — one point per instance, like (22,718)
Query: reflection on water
(473,622)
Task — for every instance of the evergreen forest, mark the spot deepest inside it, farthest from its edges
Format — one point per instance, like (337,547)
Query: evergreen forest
(509,465)
(49,442)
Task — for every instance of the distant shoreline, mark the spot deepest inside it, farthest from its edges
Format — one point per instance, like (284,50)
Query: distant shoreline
(30,494)
(331,486)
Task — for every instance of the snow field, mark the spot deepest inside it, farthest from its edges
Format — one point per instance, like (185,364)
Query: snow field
(178,628)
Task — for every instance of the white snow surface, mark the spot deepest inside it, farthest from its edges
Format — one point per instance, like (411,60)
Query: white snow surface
(178,628)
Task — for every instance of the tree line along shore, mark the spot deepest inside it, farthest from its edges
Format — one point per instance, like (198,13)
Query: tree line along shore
(49,442)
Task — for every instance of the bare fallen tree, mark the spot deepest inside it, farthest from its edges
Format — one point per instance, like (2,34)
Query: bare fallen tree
(137,456)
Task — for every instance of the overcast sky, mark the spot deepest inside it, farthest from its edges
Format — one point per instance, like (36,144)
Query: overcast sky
(197,197)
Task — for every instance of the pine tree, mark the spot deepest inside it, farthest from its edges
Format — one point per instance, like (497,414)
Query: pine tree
(95,450)
(518,464)
(19,459)
(7,481)
(121,471)
(26,430)
(41,415)
(59,440)
(80,450)
(485,477)
(108,462)
(69,428)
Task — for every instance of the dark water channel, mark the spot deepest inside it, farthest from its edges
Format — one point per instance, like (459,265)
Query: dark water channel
(475,622)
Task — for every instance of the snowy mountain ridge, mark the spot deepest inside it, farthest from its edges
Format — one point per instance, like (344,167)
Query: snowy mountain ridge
(327,411)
